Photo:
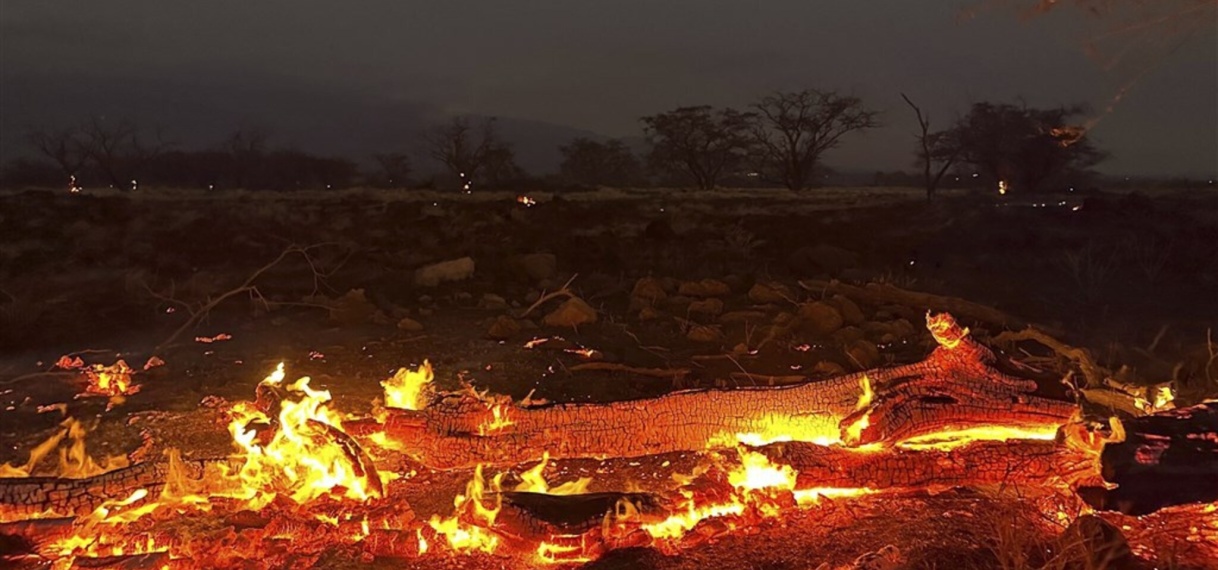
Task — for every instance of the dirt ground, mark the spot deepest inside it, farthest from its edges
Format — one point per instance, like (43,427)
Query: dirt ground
(1131,277)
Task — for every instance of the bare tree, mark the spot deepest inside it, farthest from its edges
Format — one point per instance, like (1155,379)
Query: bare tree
(794,129)
(120,150)
(699,142)
(64,147)
(937,151)
(471,152)
(592,163)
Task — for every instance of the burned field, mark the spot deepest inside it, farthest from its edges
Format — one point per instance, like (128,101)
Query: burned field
(835,378)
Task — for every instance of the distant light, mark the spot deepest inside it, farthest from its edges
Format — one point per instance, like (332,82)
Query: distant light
(974,175)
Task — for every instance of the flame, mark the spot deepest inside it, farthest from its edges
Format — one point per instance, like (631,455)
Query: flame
(74,461)
(821,430)
(945,330)
(854,431)
(499,420)
(466,530)
(527,201)
(757,472)
(113,380)
(301,460)
(867,394)
(551,553)
(532,481)
(1002,187)
(405,389)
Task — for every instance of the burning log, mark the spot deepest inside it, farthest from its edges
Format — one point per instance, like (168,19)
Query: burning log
(27,497)
(1163,459)
(956,388)
(1014,463)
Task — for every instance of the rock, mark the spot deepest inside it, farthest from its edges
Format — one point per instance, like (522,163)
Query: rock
(820,318)
(705,333)
(503,328)
(851,313)
(704,288)
(903,328)
(649,314)
(763,293)
(493,302)
(742,317)
(409,325)
(733,282)
(647,292)
(352,308)
(710,306)
(847,335)
(821,259)
(535,266)
(1092,542)
(863,354)
(572,313)
(828,368)
(437,273)
(426,311)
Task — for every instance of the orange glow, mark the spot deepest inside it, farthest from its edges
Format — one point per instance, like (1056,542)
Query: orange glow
(533,481)
(405,389)
(499,419)
(113,380)
(945,330)
(951,439)
(466,530)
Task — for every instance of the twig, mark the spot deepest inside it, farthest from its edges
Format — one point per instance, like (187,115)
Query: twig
(1093,373)
(564,291)
(246,287)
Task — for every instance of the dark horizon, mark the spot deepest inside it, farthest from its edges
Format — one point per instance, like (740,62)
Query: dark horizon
(352,82)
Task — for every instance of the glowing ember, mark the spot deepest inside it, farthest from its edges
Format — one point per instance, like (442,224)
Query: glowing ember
(527,201)
(466,530)
(945,330)
(1002,187)
(405,389)
(113,380)
(951,439)
(498,420)
(533,481)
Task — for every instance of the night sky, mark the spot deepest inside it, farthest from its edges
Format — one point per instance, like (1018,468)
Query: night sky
(357,77)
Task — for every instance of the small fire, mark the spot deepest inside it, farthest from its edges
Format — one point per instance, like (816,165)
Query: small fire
(867,394)
(466,530)
(532,481)
(405,389)
(499,419)
(308,456)
(1002,187)
(527,201)
(113,380)
(74,461)
(945,330)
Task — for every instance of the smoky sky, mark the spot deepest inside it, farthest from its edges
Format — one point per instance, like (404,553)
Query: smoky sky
(350,76)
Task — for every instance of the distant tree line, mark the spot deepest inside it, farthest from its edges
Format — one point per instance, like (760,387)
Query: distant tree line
(779,140)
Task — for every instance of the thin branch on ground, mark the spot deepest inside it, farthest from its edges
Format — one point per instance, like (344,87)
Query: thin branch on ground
(564,291)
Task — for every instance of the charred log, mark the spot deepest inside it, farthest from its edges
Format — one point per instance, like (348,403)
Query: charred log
(1168,458)
(956,387)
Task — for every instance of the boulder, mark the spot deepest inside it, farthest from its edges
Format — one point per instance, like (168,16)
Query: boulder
(503,328)
(704,288)
(493,302)
(709,306)
(445,271)
(765,293)
(647,292)
(572,313)
(705,333)
(863,354)
(851,313)
(352,308)
(410,325)
(820,318)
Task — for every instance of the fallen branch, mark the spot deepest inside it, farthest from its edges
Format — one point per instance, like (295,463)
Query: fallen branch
(564,291)
(614,367)
(1093,373)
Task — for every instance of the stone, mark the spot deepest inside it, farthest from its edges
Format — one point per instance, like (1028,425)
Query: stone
(445,271)
(903,328)
(572,313)
(409,325)
(765,293)
(828,368)
(742,317)
(352,308)
(503,328)
(704,288)
(534,266)
(863,354)
(851,313)
(493,302)
(820,318)
(649,314)
(847,335)
(704,333)
(647,292)
(709,306)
